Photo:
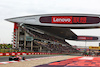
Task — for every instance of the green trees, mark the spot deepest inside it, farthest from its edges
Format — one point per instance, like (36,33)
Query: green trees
(9,46)
(0,45)
(5,46)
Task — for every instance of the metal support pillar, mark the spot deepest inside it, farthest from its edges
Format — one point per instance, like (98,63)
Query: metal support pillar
(25,40)
(40,48)
(31,45)
(18,37)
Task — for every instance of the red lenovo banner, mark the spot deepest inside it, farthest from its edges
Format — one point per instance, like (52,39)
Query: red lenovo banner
(69,19)
(86,38)
(63,20)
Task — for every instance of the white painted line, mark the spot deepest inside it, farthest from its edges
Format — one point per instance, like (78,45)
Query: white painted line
(86,58)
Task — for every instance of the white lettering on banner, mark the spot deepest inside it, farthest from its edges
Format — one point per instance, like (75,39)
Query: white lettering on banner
(13,53)
(61,20)
(7,53)
(1,54)
(18,53)
(23,53)
(32,53)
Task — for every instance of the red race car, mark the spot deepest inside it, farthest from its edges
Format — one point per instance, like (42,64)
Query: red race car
(16,58)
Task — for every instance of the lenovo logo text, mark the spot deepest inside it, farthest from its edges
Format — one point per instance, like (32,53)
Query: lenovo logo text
(66,20)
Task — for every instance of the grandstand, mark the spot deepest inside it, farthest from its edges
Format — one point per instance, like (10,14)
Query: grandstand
(39,41)
(47,33)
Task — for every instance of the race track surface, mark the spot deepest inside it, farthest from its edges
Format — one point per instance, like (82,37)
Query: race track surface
(6,58)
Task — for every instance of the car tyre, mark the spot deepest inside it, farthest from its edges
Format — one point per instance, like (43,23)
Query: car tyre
(10,59)
(23,58)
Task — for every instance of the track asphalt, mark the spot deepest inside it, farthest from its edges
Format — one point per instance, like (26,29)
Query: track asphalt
(6,58)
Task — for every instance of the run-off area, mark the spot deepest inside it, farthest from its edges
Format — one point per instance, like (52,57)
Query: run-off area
(37,62)
(58,61)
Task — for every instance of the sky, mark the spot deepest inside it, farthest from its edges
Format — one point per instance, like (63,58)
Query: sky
(16,8)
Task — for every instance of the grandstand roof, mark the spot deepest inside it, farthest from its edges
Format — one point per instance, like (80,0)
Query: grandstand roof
(75,21)
(59,24)
(64,33)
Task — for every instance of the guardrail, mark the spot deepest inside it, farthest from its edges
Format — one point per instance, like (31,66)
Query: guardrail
(31,53)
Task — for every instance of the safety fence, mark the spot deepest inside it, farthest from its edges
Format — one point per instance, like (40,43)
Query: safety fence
(29,53)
